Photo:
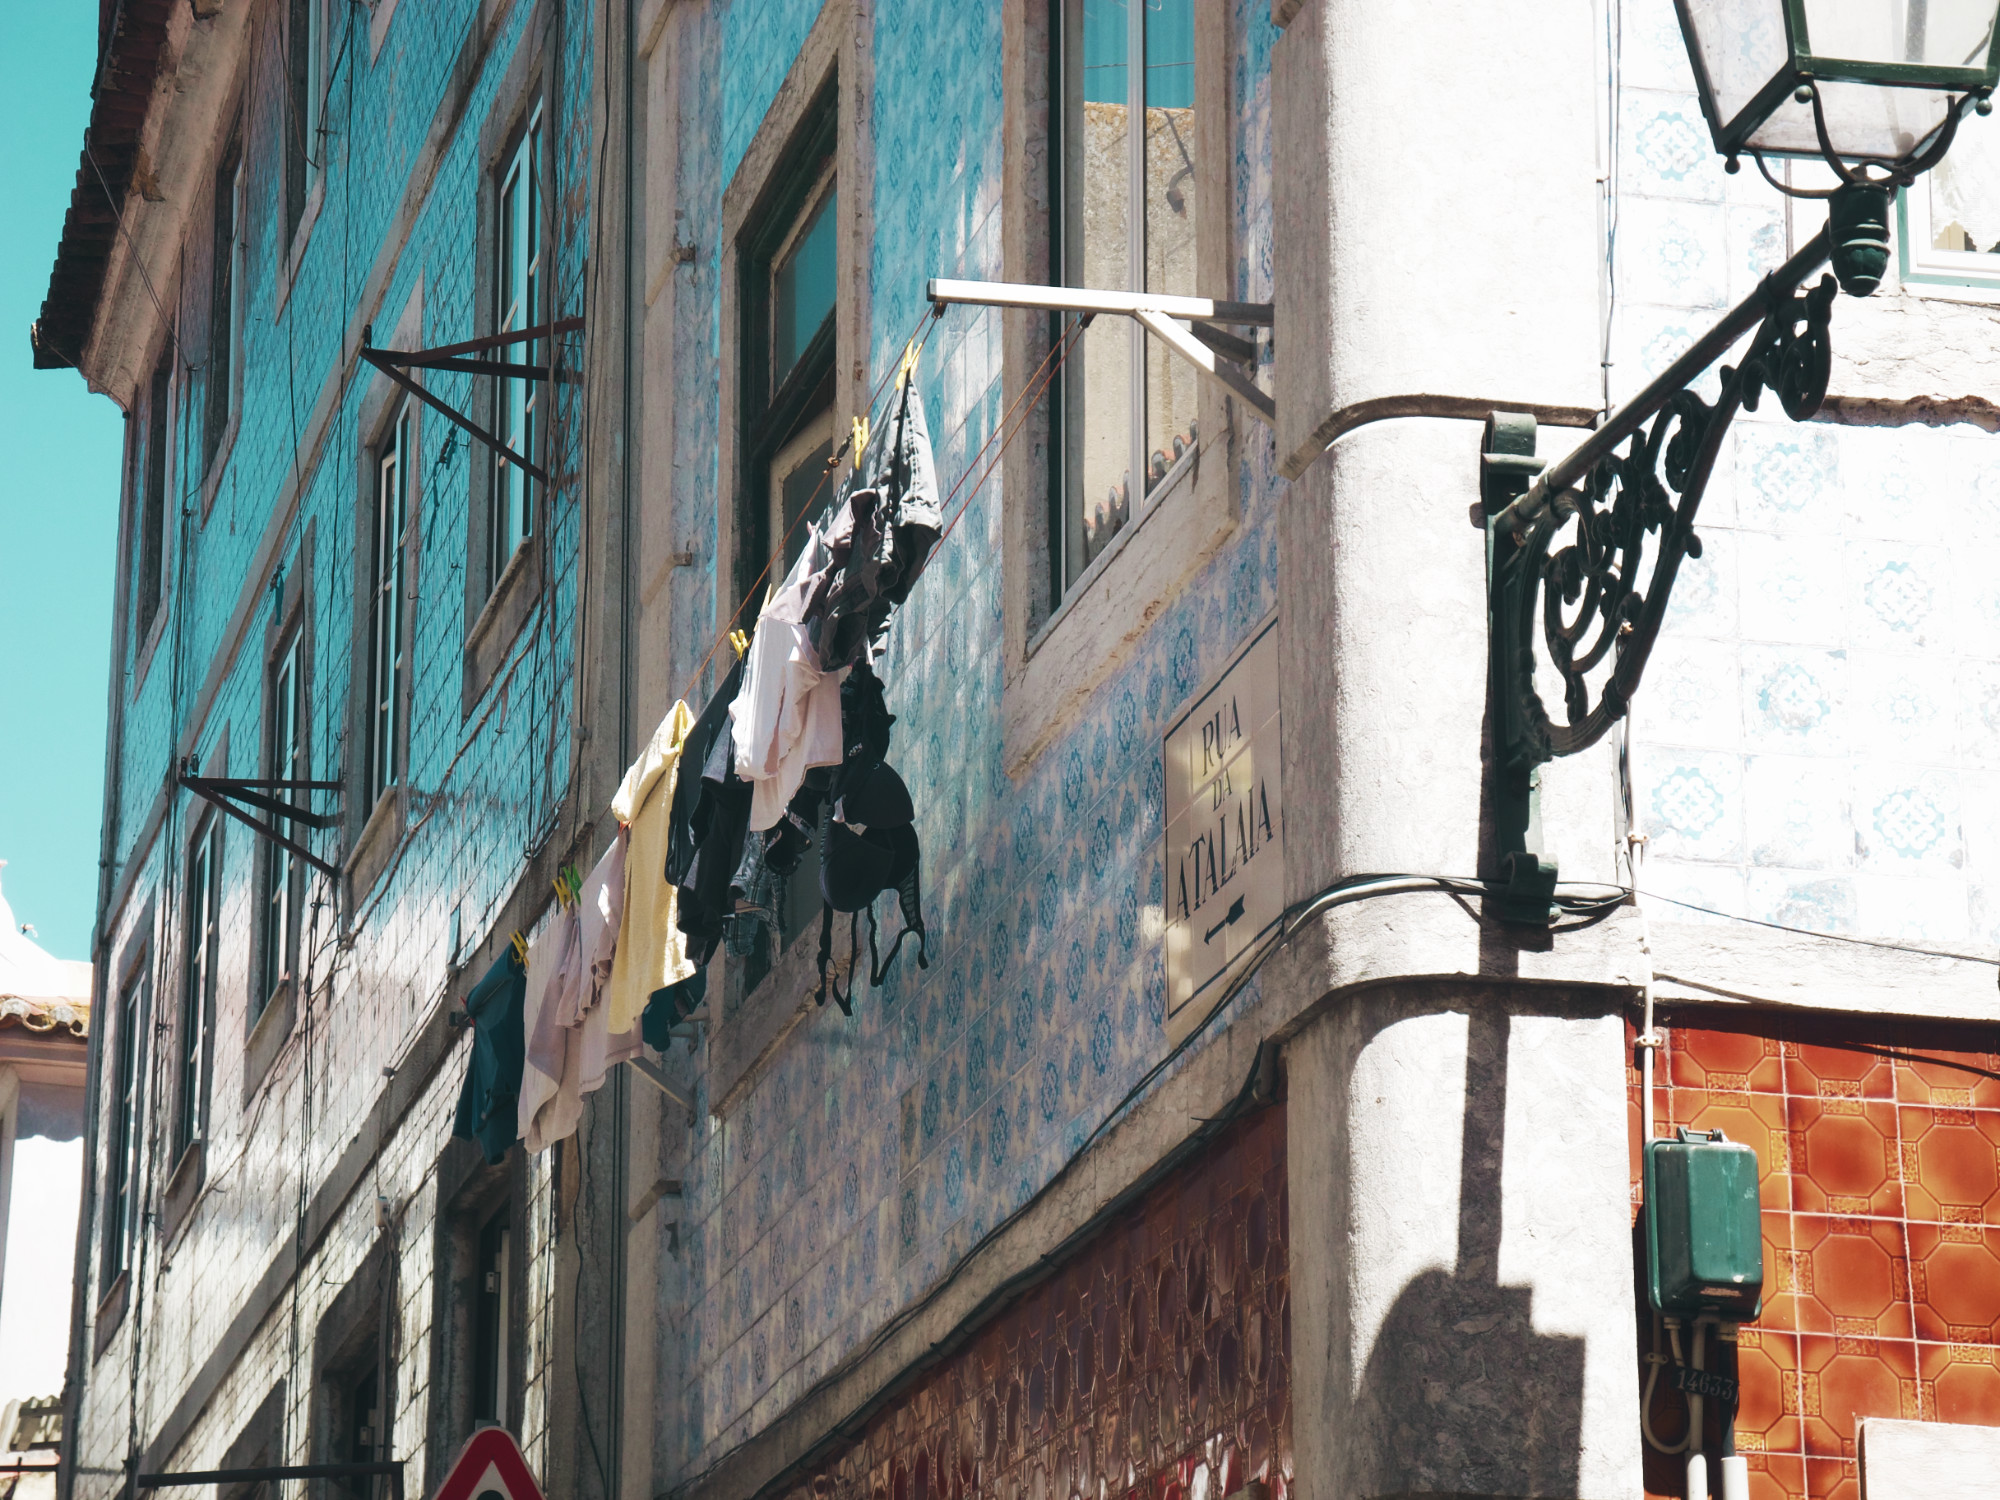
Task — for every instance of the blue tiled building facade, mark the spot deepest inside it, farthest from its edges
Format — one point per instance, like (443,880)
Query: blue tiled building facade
(792,1218)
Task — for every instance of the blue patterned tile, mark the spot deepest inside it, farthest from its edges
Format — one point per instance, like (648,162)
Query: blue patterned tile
(1692,804)
(1906,820)
(1795,699)
(1796,813)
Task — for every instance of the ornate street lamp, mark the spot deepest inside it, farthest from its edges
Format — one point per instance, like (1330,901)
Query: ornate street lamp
(1584,553)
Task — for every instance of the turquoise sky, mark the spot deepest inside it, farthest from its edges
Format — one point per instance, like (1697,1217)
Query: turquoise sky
(58,501)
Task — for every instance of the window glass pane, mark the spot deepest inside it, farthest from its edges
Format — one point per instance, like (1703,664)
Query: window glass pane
(1098,379)
(1170,222)
(802,289)
(518,278)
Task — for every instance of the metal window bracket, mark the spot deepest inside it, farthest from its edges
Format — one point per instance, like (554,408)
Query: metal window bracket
(1183,324)
(393,363)
(224,793)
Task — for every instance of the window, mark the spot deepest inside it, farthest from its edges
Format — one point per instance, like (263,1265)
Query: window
(305,104)
(490,1362)
(225,308)
(388,655)
(1951,216)
(520,295)
(152,507)
(1123,220)
(121,1175)
(197,986)
(789,273)
(351,1400)
(284,873)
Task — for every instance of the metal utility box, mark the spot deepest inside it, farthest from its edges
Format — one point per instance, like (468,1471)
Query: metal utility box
(1703,1250)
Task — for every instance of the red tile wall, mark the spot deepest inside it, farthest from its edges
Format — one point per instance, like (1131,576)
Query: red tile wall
(1157,1362)
(1878,1149)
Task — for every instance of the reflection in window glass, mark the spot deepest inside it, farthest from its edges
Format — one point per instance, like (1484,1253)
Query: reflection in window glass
(802,288)
(1124,221)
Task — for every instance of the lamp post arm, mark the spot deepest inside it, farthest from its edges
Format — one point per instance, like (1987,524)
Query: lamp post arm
(1771,293)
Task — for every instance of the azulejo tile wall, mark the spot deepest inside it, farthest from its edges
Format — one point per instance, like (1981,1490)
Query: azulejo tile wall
(1878,1152)
(872,1154)
(1155,1363)
(1815,742)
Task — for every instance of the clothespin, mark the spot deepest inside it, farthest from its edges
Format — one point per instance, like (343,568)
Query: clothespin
(909,366)
(860,438)
(520,945)
(739,642)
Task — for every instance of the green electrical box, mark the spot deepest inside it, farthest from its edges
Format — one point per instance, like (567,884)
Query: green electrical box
(1703,1250)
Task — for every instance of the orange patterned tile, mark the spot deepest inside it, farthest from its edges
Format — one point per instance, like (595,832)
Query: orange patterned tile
(1836,1390)
(1845,1157)
(1767,1415)
(1815,1071)
(1725,1061)
(1955,1282)
(1962,1382)
(1776,1476)
(1951,1163)
(1926,1075)
(1853,1280)
(1833,1478)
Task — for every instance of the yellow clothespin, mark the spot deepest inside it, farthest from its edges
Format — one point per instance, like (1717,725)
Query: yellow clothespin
(739,642)
(860,438)
(909,366)
(520,945)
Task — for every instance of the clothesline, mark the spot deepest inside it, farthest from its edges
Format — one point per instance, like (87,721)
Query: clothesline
(797,735)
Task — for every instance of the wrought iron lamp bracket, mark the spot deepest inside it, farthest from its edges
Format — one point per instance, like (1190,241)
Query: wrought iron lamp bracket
(1582,555)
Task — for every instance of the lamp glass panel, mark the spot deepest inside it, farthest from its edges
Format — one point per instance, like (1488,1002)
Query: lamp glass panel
(1928,33)
(1862,120)
(1740,45)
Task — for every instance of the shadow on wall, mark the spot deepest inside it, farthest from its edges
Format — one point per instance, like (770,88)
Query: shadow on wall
(1460,1394)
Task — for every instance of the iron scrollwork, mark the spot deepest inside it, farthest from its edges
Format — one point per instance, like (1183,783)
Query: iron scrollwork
(1587,594)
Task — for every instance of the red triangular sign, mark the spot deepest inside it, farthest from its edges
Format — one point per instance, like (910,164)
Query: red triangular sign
(489,1467)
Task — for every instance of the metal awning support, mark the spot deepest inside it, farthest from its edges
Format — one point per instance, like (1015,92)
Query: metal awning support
(1187,325)
(393,362)
(224,792)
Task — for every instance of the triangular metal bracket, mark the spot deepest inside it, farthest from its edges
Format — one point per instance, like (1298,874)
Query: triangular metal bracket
(393,362)
(225,792)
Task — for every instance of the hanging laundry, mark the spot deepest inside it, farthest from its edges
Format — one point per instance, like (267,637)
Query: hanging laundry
(682,841)
(719,825)
(868,839)
(786,718)
(652,950)
(602,906)
(488,1101)
(551,1100)
(886,522)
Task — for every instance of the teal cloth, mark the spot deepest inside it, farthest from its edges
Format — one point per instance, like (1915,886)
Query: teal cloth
(488,1104)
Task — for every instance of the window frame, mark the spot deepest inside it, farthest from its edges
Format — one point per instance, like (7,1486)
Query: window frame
(124,1156)
(1974,274)
(523,162)
(149,511)
(1065,256)
(386,707)
(281,873)
(1056,654)
(224,374)
(201,944)
(303,102)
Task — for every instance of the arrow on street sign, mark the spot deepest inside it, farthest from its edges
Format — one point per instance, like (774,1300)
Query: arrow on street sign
(489,1467)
